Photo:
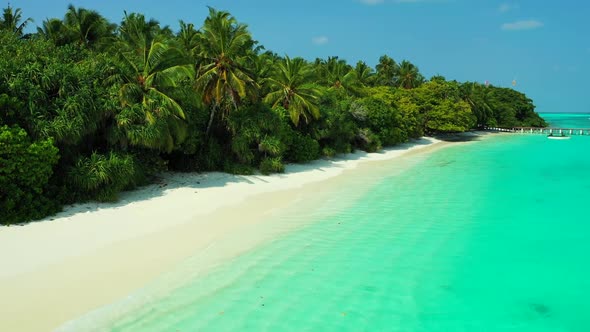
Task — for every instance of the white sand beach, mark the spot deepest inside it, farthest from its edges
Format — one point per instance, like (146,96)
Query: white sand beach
(93,254)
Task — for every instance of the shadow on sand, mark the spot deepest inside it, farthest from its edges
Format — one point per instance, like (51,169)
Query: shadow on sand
(169,181)
(463,137)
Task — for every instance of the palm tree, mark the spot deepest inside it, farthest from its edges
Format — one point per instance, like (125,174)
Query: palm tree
(87,27)
(291,87)
(363,74)
(138,33)
(55,30)
(264,66)
(477,96)
(222,77)
(188,38)
(335,74)
(386,70)
(11,21)
(408,76)
(150,116)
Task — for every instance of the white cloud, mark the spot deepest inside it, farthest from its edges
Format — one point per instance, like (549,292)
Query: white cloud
(320,40)
(506,7)
(522,25)
(372,2)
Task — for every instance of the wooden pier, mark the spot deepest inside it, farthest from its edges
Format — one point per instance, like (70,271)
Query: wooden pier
(544,131)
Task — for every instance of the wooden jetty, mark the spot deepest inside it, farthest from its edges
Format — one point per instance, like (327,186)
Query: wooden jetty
(544,131)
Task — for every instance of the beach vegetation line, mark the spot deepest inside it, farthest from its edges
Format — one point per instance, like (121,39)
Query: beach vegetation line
(89,108)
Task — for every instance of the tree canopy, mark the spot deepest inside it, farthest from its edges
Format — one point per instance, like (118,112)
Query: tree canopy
(89,108)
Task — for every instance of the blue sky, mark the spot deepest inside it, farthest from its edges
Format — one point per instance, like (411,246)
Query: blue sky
(541,44)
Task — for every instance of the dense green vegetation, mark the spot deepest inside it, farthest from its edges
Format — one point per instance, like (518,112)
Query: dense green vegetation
(89,108)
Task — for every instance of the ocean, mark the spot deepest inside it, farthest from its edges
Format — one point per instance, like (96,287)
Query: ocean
(492,235)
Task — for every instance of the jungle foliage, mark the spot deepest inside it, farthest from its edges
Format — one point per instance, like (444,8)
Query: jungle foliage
(89,108)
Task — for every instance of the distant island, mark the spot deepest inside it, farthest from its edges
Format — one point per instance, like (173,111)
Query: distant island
(89,108)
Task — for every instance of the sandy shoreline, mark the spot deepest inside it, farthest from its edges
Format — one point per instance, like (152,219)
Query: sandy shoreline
(91,255)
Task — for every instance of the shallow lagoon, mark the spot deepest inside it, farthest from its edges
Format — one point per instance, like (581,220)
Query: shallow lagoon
(485,236)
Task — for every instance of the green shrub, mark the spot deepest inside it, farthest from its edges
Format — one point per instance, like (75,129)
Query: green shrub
(255,133)
(411,117)
(9,110)
(213,157)
(243,150)
(328,152)
(392,136)
(25,169)
(303,149)
(238,169)
(337,127)
(101,177)
(147,163)
(272,165)
(368,141)
(270,145)
(381,118)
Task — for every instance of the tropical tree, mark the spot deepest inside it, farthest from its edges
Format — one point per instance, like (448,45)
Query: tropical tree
(222,77)
(87,27)
(81,26)
(55,86)
(476,95)
(263,67)
(512,108)
(135,32)
(438,78)
(336,74)
(408,76)
(55,30)
(27,166)
(148,70)
(440,106)
(363,74)
(386,71)
(12,21)
(188,38)
(291,88)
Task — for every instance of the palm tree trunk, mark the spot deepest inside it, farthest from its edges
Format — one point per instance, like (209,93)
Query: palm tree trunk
(211,116)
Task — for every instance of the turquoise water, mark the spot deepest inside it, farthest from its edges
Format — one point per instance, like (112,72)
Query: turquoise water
(485,236)
(568,120)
